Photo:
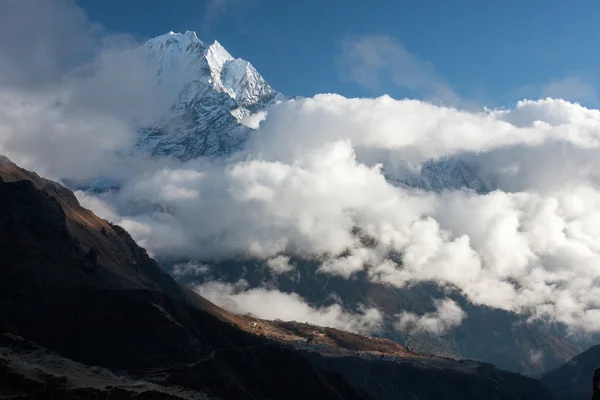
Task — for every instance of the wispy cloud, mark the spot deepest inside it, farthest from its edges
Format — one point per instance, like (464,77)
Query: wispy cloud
(216,9)
(571,88)
(42,40)
(370,59)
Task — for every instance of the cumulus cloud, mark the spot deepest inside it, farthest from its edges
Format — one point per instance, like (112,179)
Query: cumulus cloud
(271,304)
(324,178)
(280,264)
(349,264)
(253,120)
(40,133)
(311,184)
(447,315)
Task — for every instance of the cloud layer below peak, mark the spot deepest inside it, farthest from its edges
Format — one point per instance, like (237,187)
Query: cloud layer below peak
(312,184)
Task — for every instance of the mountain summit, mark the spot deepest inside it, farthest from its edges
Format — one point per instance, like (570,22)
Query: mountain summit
(208,93)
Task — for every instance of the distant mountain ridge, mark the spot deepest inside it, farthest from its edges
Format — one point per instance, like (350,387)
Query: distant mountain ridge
(497,336)
(444,174)
(573,380)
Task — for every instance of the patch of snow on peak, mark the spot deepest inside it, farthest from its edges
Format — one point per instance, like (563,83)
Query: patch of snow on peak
(244,83)
(181,39)
(217,56)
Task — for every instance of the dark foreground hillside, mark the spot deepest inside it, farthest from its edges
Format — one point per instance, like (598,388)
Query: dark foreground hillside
(86,314)
(573,380)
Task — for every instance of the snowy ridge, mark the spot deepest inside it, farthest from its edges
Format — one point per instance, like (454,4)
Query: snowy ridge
(439,175)
(208,93)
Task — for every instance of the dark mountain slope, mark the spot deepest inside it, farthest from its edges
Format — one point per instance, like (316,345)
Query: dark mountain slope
(573,380)
(503,338)
(74,284)
(81,293)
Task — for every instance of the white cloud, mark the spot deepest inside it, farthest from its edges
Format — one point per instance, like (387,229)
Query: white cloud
(447,315)
(272,304)
(96,204)
(308,179)
(253,120)
(348,265)
(280,264)
(40,133)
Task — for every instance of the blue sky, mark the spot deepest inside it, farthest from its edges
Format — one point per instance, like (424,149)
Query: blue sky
(481,52)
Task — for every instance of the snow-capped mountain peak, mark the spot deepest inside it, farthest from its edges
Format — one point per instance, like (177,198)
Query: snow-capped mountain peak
(217,56)
(179,59)
(208,93)
(236,77)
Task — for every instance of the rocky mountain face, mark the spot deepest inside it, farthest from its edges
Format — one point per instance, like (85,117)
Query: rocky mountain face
(574,379)
(209,93)
(85,314)
(446,174)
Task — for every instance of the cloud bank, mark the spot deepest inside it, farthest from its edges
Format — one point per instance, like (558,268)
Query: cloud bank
(311,184)
(271,304)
